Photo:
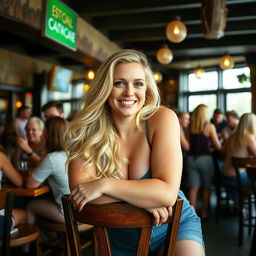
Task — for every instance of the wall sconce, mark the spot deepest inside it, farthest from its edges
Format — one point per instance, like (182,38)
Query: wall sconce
(158,77)
(164,55)
(176,31)
(90,74)
(226,62)
(199,72)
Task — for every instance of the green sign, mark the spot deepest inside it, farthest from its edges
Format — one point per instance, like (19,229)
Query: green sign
(60,23)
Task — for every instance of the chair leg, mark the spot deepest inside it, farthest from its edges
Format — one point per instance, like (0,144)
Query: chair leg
(67,244)
(240,229)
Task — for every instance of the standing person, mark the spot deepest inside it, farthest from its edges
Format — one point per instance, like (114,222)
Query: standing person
(219,121)
(202,135)
(52,169)
(184,120)
(20,122)
(241,143)
(232,123)
(123,147)
(53,108)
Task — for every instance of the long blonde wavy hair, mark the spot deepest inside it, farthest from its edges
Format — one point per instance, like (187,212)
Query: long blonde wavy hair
(247,125)
(199,118)
(92,134)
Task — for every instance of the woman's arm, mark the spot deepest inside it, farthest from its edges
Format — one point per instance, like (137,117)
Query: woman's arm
(184,141)
(214,137)
(166,166)
(11,173)
(251,144)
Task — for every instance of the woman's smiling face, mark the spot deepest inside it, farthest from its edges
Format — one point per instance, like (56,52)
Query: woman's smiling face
(129,89)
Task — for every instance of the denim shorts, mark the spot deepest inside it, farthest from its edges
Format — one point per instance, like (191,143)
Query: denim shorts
(124,241)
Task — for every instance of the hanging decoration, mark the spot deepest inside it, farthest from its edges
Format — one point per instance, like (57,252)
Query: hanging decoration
(214,13)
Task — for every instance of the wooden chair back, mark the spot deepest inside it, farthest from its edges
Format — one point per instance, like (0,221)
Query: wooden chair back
(6,203)
(245,194)
(25,234)
(117,215)
(249,163)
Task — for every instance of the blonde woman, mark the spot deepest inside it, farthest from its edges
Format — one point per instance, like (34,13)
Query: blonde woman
(241,143)
(202,136)
(123,147)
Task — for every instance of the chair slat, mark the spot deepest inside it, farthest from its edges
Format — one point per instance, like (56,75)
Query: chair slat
(117,215)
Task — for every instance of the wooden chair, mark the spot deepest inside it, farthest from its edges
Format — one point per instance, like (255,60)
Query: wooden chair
(247,195)
(222,193)
(27,233)
(253,244)
(61,244)
(117,215)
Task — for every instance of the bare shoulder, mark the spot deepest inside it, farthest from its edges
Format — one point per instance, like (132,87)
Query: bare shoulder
(163,114)
(163,117)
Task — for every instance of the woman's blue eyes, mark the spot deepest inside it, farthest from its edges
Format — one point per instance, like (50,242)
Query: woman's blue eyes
(120,84)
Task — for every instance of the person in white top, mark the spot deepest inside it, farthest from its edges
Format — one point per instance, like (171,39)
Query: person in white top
(20,122)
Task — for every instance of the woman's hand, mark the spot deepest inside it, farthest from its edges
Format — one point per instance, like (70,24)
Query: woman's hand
(86,192)
(160,214)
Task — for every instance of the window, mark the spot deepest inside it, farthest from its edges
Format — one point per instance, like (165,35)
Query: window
(230,80)
(209,100)
(241,102)
(217,88)
(209,81)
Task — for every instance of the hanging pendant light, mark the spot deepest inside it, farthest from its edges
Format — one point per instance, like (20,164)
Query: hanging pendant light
(164,55)
(90,74)
(199,72)
(158,77)
(226,62)
(176,31)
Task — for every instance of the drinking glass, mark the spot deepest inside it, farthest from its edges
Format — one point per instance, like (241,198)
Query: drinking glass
(23,168)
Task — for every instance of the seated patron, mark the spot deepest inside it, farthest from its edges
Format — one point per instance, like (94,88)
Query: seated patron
(122,146)
(31,148)
(241,143)
(52,170)
(13,176)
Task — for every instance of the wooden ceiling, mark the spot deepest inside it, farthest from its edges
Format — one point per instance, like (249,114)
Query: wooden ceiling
(140,24)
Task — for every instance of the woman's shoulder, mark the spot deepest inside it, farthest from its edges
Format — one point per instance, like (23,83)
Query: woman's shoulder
(163,117)
(163,113)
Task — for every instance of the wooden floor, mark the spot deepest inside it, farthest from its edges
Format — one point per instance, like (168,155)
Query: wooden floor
(221,238)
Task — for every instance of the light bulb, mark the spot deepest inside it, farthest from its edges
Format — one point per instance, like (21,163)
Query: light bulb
(164,55)
(176,31)
(226,62)
(199,73)
(158,77)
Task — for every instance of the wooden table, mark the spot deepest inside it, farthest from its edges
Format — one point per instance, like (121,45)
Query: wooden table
(31,192)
